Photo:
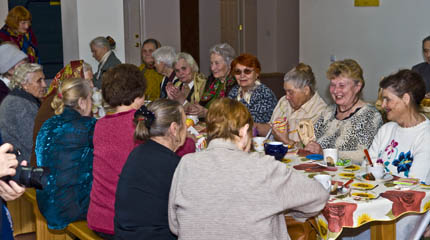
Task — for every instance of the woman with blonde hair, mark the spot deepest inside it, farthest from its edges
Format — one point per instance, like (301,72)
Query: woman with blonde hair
(350,124)
(148,172)
(225,192)
(64,145)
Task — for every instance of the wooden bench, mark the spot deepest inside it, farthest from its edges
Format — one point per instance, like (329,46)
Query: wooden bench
(75,229)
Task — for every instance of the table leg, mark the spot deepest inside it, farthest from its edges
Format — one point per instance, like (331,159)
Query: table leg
(383,230)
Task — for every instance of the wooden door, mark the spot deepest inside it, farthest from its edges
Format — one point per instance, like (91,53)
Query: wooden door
(132,31)
(239,25)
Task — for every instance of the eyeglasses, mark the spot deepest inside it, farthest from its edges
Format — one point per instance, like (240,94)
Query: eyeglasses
(247,71)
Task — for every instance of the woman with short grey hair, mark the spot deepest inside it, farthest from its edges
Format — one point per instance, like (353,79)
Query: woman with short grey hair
(219,83)
(224,50)
(18,110)
(301,101)
(164,58)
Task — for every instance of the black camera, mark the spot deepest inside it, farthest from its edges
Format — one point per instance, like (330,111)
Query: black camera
(28,176)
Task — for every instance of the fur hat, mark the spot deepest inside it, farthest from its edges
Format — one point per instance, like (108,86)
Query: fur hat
(10,55)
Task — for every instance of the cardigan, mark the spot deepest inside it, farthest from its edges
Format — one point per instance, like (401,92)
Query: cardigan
(226,193)
(146,176)
(17,113)
(351,135)
(113,142)
(65,145)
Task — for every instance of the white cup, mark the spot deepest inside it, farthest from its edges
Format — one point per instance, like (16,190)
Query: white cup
(325,181)
(330,155)
(378,171)
(258,143)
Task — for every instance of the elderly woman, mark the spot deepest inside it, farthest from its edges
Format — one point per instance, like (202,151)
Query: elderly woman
(153,78)
(18,110)
(191,84)
(64,145)
(215,193)
(18,30)
(148,172)
(164,59)
(401,145)
(10,58)
(123,89)
(75,69)
(101,48)
(301,101)
(257,97)
(219,83)
(350,124)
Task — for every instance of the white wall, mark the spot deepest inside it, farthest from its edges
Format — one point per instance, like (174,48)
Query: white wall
(382,39)
(3,11)
(92,19)
(100,18)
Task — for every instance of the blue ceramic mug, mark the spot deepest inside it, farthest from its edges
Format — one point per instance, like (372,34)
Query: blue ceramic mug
(276,149)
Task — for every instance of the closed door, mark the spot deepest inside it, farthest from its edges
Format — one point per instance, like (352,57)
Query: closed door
(132,31)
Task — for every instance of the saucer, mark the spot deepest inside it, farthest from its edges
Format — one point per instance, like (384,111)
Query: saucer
(386,178)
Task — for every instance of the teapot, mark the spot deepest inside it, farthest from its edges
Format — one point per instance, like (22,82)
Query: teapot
(276,149)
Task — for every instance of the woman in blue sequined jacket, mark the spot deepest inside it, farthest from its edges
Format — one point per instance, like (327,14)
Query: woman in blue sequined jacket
(65,145)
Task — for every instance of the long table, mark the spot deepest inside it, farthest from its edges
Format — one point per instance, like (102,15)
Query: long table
(347,211)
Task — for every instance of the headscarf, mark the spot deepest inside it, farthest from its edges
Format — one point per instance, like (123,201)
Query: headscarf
(75,69)
(26,42)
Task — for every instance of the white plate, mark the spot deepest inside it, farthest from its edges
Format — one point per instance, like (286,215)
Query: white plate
(386,178)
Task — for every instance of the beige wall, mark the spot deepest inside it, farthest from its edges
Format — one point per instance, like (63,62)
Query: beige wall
(382,39)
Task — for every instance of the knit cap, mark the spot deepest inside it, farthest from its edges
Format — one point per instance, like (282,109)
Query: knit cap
(10,55)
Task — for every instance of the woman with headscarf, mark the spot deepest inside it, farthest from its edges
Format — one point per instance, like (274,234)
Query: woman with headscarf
(219,83)
(18,30)
(75,69)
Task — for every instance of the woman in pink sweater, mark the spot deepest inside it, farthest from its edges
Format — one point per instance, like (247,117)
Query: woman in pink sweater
(123,88)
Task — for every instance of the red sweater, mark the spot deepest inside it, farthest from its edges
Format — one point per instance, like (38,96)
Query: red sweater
(113,142)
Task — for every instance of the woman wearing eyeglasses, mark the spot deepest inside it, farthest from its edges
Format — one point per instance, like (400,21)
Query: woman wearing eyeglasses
(257,97)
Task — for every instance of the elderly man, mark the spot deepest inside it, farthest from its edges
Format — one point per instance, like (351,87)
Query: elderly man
(424,68)
(153,78)
(10,58)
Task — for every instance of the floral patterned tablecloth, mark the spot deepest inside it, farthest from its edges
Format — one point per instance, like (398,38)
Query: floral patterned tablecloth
(346,210)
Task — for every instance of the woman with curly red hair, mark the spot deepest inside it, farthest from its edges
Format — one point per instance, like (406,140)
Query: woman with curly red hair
(18,30)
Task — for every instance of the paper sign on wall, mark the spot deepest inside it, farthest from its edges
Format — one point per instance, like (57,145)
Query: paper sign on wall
(366,3)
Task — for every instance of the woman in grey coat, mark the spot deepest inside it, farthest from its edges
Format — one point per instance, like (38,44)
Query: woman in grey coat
(18,110)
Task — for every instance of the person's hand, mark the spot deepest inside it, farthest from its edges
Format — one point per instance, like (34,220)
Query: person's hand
(314,147)
(11,190)
(196,109)
(8,161)
(427,95)
(282,136)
